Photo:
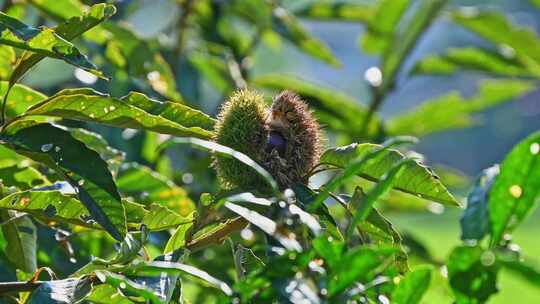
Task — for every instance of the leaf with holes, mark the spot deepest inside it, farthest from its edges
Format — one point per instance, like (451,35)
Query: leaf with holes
(22,177)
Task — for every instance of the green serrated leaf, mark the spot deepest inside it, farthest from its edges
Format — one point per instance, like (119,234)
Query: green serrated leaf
(338,11)
(451,111)
(68,30)
(383,24)
(175,112)
(472,280)
(417,179)
(21,238)
(148,186)
(291,29)
(356,265)
(519,43)
(517,188)
(471,59)
(402,42)
(20,98)
(160,218)
(128,286)
(384,185)
(22,177)
(178,238)
(44,41)
(526,269)
(7,61)
(92,106)
(96,142)
(91,180)
(412,286)
(53,205)
(59,9)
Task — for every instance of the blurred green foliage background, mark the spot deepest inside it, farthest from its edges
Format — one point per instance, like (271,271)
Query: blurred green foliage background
(200,51)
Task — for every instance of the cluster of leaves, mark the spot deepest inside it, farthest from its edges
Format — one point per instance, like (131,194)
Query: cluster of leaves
(301,245)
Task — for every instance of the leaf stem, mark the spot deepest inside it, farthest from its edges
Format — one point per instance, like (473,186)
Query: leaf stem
(4,102)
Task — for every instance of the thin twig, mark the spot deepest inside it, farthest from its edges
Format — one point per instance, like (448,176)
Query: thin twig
(235,71)
(186,7)
(405,48)
(12,287)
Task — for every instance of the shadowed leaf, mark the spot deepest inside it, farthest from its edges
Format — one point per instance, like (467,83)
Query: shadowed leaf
(91,180)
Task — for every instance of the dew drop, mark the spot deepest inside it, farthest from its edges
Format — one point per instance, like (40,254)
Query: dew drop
(487,258)
(57,148)
(123,285)
(46,147)
(507,51)
(435,208)
(515,191)
(187,178)
(535,148)
(80,182)
(105,110)
(373,75)
(85,77)
(73,260)
(112,108)
(153,76)
(247,234)
(91,115)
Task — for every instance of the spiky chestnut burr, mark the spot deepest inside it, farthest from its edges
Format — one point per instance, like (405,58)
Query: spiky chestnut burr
(285,139)
(293,142)
(241,126)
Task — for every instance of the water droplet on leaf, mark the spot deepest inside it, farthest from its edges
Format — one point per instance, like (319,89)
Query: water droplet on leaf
(46,147)
(515,191)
